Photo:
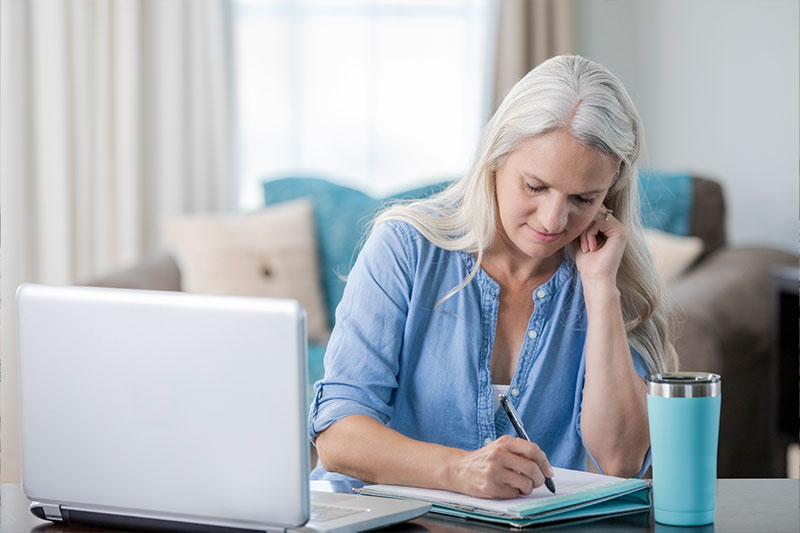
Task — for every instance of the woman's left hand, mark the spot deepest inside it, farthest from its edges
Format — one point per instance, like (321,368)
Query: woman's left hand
(599,249)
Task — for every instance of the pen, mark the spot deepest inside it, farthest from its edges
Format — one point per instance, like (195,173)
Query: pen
(516,421)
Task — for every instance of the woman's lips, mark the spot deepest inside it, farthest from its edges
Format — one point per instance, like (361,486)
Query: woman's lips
(546,238)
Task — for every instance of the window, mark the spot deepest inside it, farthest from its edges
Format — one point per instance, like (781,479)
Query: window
(377,95)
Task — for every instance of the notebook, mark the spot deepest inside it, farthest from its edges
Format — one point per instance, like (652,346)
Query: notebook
(579,495)
(153,409)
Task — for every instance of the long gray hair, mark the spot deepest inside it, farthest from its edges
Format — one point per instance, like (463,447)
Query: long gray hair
(578,95)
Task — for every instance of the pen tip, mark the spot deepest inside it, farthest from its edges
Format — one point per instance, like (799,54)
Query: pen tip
(548,482)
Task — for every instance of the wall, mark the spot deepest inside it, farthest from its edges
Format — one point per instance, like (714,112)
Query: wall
(716,85)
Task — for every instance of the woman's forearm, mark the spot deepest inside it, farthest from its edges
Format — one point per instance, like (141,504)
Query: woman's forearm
(361,447)
(614,408)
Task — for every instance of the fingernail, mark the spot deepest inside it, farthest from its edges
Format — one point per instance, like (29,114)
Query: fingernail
(550,472)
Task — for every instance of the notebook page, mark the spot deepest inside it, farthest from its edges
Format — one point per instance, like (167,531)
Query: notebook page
(568,482)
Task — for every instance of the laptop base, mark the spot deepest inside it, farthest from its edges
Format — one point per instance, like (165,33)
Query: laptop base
(131,523)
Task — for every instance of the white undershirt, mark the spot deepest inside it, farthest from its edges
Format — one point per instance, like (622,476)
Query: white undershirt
(498,390)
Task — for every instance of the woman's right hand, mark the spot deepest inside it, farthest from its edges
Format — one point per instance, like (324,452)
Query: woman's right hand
(506,468)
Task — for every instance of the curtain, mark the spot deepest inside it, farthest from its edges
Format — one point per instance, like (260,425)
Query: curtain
(112,113)
(530,32)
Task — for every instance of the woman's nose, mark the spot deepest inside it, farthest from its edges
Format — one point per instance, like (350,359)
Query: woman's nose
(553,216)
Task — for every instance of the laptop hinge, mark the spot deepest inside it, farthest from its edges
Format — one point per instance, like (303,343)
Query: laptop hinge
(52,512)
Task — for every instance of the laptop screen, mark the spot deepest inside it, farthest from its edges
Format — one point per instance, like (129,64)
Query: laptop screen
(171,405)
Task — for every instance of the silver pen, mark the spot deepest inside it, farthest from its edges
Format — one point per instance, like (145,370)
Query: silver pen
(516,421)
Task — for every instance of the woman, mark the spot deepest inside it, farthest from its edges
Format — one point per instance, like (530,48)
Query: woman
(529,276)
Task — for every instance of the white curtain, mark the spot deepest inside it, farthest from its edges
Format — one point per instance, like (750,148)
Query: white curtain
(112,113)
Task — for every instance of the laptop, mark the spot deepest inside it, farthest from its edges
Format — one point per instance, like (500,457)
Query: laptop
(166,410)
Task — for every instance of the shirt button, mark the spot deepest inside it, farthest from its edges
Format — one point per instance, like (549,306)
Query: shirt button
(532,334)
(541,293)
(515,392)
(487,441)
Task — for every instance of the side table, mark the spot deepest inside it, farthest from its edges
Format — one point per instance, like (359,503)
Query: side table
(785,367)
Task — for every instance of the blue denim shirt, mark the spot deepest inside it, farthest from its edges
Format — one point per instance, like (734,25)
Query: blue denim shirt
(425,372)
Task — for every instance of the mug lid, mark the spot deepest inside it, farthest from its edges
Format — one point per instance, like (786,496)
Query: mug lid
(684,384)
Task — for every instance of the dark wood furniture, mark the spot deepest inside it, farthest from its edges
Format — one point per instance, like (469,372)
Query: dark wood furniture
(785,389)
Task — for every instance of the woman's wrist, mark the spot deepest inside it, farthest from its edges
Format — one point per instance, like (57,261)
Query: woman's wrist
(600,290)
(450,469)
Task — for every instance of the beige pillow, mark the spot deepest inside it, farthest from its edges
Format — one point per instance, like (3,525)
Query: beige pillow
(271,253)
(673,254)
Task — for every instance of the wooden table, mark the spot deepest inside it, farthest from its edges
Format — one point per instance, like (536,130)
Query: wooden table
(743,505)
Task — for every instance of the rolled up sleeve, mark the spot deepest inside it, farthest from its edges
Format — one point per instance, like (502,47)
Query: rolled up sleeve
(362,358)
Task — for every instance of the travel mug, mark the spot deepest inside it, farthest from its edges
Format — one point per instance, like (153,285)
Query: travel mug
(683,409)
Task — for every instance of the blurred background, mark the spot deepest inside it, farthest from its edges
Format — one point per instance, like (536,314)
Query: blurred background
(117,113)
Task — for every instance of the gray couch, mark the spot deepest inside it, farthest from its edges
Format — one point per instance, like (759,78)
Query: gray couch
(723,305)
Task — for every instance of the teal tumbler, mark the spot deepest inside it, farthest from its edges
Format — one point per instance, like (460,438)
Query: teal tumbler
(683,409)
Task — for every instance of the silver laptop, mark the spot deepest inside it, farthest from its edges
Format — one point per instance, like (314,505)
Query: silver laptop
(171,410)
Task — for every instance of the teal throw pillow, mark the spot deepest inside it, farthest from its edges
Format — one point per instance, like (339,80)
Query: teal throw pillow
(666,201)
(342,216)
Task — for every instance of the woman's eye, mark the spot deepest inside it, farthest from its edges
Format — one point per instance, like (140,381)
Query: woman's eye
(583,200)
(533,188)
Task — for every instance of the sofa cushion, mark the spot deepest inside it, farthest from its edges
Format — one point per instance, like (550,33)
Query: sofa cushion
(270,253)
(673,254)
(342,215)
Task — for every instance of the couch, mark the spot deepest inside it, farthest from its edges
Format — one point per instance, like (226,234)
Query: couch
(722,297)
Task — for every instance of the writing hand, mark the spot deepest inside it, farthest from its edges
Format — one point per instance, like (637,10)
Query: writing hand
(506,468)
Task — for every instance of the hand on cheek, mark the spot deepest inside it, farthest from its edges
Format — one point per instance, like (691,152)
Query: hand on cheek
(591,240)
(601,247)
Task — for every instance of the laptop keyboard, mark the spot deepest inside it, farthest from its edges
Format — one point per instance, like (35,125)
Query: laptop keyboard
(323,513)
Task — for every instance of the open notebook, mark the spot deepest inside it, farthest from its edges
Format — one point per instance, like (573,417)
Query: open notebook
(579,495)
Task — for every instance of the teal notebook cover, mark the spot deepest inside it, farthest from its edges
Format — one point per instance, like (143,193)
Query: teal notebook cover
(581,495)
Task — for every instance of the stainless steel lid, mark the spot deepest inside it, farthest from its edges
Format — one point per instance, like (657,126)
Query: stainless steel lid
(684,384)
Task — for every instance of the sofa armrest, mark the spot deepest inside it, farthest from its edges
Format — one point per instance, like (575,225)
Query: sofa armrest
(725,298)
(723,308)
(160,272)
